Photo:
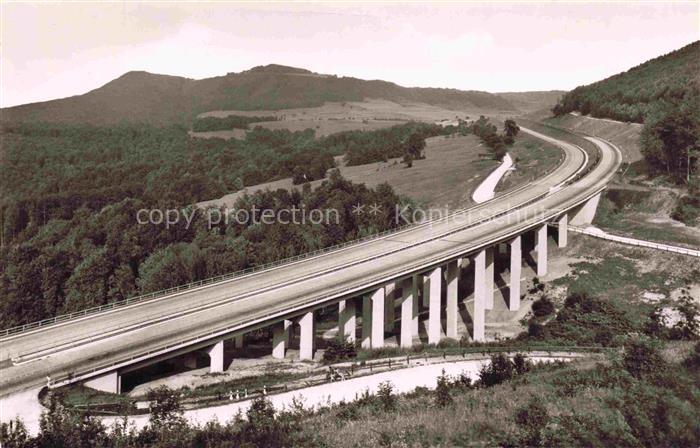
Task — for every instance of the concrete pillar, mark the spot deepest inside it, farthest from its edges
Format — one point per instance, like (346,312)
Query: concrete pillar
(377,339)
(109,382)
(238,341)
(216,357)
(488,304)
(420,286)
(452,311)
(416,283)
(563,230)
(541,248)
(280,338)
(390,291)
(479,317)
(307,336)
(366,322)
(432,287)
(584,215)
(516,260)
(346,317)
(407,312)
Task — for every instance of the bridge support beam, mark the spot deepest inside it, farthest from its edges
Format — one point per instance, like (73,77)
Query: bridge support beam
(238,341)
(584,215)
(408,299)
(563,231)
(452,309)
(432,288)
(109,382)
(307,336)
(488,304)
(516,260)
(280,338)
(378,307)
(347,320)
(479,316)
(216,357)
(541,248)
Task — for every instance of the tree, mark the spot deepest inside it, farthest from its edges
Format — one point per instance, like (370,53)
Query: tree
(415,145)
(500,369)
(166,409)
(510,130)
(442,391)
(670,139)
(688,326)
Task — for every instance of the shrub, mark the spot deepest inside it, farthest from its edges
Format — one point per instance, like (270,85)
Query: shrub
(339,349)
(385,392)
(531,420)
(500,369)
(442,391)
(642,358)
(542,307)
(522,365)
(687,210)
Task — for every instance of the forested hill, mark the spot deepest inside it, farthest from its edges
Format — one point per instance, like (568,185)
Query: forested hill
(632,95)
(161,99)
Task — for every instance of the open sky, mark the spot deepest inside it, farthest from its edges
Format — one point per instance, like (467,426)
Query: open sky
(54,50)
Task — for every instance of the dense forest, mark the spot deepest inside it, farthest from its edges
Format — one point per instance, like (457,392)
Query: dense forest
(664,94)
(226,123)
(632,95)
(362,147)
(70,237)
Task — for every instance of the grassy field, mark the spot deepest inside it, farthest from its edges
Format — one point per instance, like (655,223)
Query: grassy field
(335,117)
(453,167)
(533,159)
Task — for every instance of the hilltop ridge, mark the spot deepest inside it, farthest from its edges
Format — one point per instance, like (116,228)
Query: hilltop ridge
(139,96)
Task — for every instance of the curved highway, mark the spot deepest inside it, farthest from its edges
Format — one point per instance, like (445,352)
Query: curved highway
(101,342)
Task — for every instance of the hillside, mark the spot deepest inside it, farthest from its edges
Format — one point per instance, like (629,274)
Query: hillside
(162,99)
(632,95)
(532,101)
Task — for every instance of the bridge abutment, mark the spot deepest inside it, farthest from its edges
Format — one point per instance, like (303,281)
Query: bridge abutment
(584,215)
(110,382)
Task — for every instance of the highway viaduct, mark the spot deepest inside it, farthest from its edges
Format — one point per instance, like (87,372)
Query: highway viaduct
(373,278)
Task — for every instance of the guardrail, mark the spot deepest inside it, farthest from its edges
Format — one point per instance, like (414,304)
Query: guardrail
(635,242)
